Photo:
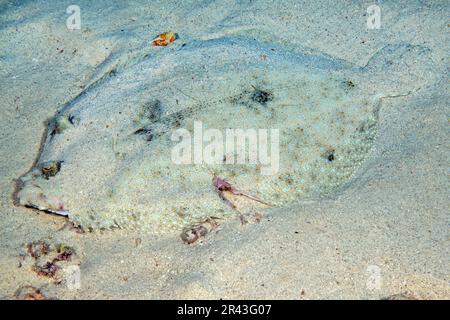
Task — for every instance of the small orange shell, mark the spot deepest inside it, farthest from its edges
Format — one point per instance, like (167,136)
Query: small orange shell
(164,39)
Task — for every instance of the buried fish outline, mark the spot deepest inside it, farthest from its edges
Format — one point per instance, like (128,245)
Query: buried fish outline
(115,151)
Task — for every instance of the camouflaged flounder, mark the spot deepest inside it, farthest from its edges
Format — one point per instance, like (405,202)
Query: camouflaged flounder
(106,160)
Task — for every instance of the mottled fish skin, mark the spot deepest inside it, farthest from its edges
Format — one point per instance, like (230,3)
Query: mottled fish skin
(309,98)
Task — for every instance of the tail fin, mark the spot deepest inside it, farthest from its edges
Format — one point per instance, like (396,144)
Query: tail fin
(398,69)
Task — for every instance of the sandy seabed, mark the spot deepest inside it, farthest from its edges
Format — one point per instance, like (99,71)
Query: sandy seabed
(383,235)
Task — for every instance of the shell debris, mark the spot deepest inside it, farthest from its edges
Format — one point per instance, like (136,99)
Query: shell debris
(164,39)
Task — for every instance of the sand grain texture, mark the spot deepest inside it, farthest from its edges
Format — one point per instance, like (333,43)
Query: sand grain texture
(392,214)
